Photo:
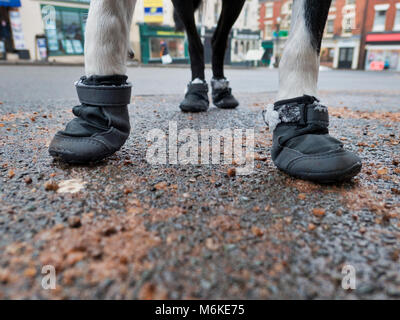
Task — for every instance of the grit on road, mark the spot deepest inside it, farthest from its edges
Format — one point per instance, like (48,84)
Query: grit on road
(139,230)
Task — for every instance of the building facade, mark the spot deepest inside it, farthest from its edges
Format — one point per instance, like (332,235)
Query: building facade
(342,37)
(382,38)
(153,28)
(55,30)
(274,23)
(244,37)
(12,41)
(342,45)
(46,29)
(359,34)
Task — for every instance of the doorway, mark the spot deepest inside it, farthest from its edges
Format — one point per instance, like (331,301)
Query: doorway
(5,29)
(346,58)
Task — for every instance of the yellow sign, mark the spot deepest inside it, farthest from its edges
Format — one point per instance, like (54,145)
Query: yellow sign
(153,3)
(170,33)
(153,11)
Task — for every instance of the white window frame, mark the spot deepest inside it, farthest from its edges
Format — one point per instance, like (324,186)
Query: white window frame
(396,26)
(380,8)
(348,31)
(269,6)
(286,7)
(330,18)
(269,36)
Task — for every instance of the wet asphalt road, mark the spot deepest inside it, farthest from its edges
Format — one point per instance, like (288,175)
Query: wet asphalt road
(139,230)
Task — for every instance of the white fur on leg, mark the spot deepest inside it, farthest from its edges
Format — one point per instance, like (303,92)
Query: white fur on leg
(299,66)
(197,81)
(107,36)
(271,117)
(219,83)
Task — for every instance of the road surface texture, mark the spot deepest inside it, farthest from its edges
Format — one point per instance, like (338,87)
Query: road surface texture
(127,229)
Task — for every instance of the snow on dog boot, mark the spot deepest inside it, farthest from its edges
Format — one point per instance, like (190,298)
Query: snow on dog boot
(196,97)
(222,94)
(302,146)
(101,126)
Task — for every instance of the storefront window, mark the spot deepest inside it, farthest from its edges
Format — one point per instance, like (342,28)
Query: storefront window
(66,36)
(383,60)
(156,40)
(327,56)
(5,30)
(176,47)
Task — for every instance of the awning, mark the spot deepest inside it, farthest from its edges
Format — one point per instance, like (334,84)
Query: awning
(267,44)
(254,55)
(10,3)
(383,37)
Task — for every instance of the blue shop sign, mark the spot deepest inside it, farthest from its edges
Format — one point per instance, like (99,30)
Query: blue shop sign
(10,3)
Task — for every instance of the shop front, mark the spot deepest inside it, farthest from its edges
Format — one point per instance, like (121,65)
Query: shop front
(268,47)
(340,52)
(383,52)
(65,33)
(327,56)
(347,54)
(242,42)
(52,30)
(329,50)
(155,39)
(12,39)
(206,37)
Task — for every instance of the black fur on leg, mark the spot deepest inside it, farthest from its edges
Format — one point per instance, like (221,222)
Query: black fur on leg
(179,25)
(221,92)
(230,12)
(185,10)
(316,14)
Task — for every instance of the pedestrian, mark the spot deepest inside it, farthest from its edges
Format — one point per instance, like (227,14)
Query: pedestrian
(163,49)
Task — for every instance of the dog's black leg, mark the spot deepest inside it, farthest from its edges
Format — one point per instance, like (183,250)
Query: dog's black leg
(196,98)
(185,10)
(221,92)
(302,146)
(230,12)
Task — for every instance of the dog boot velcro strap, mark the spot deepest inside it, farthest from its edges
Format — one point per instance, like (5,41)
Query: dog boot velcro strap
(196,98)
(99,130)
(302,146)
(222,94)
(302,111)
(103,95)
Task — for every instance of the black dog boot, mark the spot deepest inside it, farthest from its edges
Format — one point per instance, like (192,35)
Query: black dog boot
(196,97)
(222,94)
(302,146)
(101,126)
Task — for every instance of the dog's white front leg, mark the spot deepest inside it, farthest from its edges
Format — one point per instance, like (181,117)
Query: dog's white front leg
(299,66)
(107,36)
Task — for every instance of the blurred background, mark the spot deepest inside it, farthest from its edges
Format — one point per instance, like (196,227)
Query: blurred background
(360,34)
